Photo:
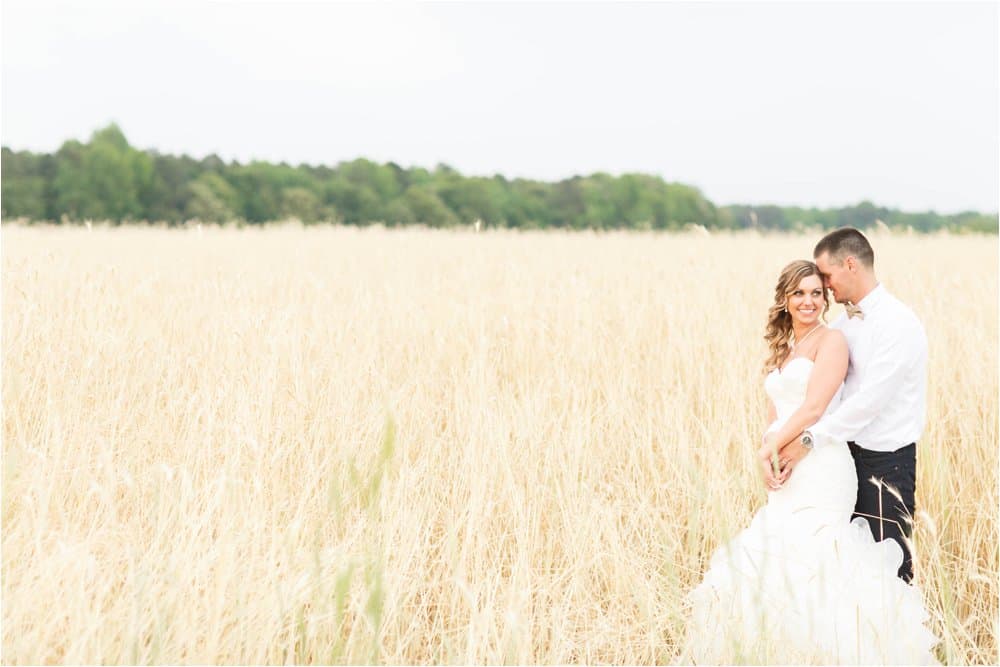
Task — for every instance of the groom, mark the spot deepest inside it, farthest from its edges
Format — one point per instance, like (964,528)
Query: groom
(881,415)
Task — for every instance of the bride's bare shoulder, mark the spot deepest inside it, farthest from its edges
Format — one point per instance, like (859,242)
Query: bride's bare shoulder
(832,341)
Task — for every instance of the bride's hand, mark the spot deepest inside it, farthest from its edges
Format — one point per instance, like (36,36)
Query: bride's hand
(767,459)
(792,453)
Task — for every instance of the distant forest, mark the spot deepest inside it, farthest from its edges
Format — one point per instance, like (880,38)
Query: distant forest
(107,179)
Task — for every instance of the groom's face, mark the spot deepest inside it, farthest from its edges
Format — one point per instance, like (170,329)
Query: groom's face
(837,277)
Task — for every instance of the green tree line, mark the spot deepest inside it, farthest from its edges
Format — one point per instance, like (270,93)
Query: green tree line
(107,179)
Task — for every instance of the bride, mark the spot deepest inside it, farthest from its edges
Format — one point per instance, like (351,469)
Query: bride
(803,583)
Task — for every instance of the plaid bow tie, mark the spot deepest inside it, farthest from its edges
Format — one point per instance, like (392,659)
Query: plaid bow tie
(854,311)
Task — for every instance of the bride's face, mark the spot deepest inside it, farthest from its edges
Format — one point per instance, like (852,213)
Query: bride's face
(806,301)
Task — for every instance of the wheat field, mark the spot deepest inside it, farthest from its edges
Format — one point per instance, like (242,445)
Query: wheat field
(360,445)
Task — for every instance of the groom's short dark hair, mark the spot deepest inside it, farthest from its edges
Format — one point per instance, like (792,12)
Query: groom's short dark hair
(843,242)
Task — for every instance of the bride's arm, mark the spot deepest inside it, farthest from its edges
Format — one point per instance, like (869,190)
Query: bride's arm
(827,374)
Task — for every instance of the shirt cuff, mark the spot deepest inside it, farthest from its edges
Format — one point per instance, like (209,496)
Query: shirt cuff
(821,437)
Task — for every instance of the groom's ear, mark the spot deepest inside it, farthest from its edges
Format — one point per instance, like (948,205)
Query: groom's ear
(851,263)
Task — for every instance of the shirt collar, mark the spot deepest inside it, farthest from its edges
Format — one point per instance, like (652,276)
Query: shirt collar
(872,299)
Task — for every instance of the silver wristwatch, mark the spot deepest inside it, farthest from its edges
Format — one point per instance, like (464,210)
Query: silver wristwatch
(807,439)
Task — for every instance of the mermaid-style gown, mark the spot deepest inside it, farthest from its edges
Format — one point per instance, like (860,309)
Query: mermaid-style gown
(803,583)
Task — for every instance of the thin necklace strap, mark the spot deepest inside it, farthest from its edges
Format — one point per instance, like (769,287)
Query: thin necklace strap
(791,351)
(810,333)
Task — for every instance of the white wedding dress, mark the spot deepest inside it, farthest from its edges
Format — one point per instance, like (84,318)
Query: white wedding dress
(803,583)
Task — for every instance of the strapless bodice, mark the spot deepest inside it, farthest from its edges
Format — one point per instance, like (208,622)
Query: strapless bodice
(787,389)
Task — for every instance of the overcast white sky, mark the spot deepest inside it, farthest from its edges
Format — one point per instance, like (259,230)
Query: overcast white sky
(805,104)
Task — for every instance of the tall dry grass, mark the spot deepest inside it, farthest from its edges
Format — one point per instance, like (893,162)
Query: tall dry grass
(342,445)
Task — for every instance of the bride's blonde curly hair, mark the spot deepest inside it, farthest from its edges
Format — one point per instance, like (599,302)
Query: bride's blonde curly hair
(779,320)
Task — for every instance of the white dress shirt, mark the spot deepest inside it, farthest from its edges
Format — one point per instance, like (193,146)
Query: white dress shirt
(884,400)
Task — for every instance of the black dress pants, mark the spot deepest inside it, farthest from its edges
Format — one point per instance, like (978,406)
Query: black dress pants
(887,516)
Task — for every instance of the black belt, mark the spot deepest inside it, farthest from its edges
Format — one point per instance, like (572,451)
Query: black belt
(854,444)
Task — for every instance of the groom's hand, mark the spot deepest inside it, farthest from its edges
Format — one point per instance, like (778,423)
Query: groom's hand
(789,457)
(767,462)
